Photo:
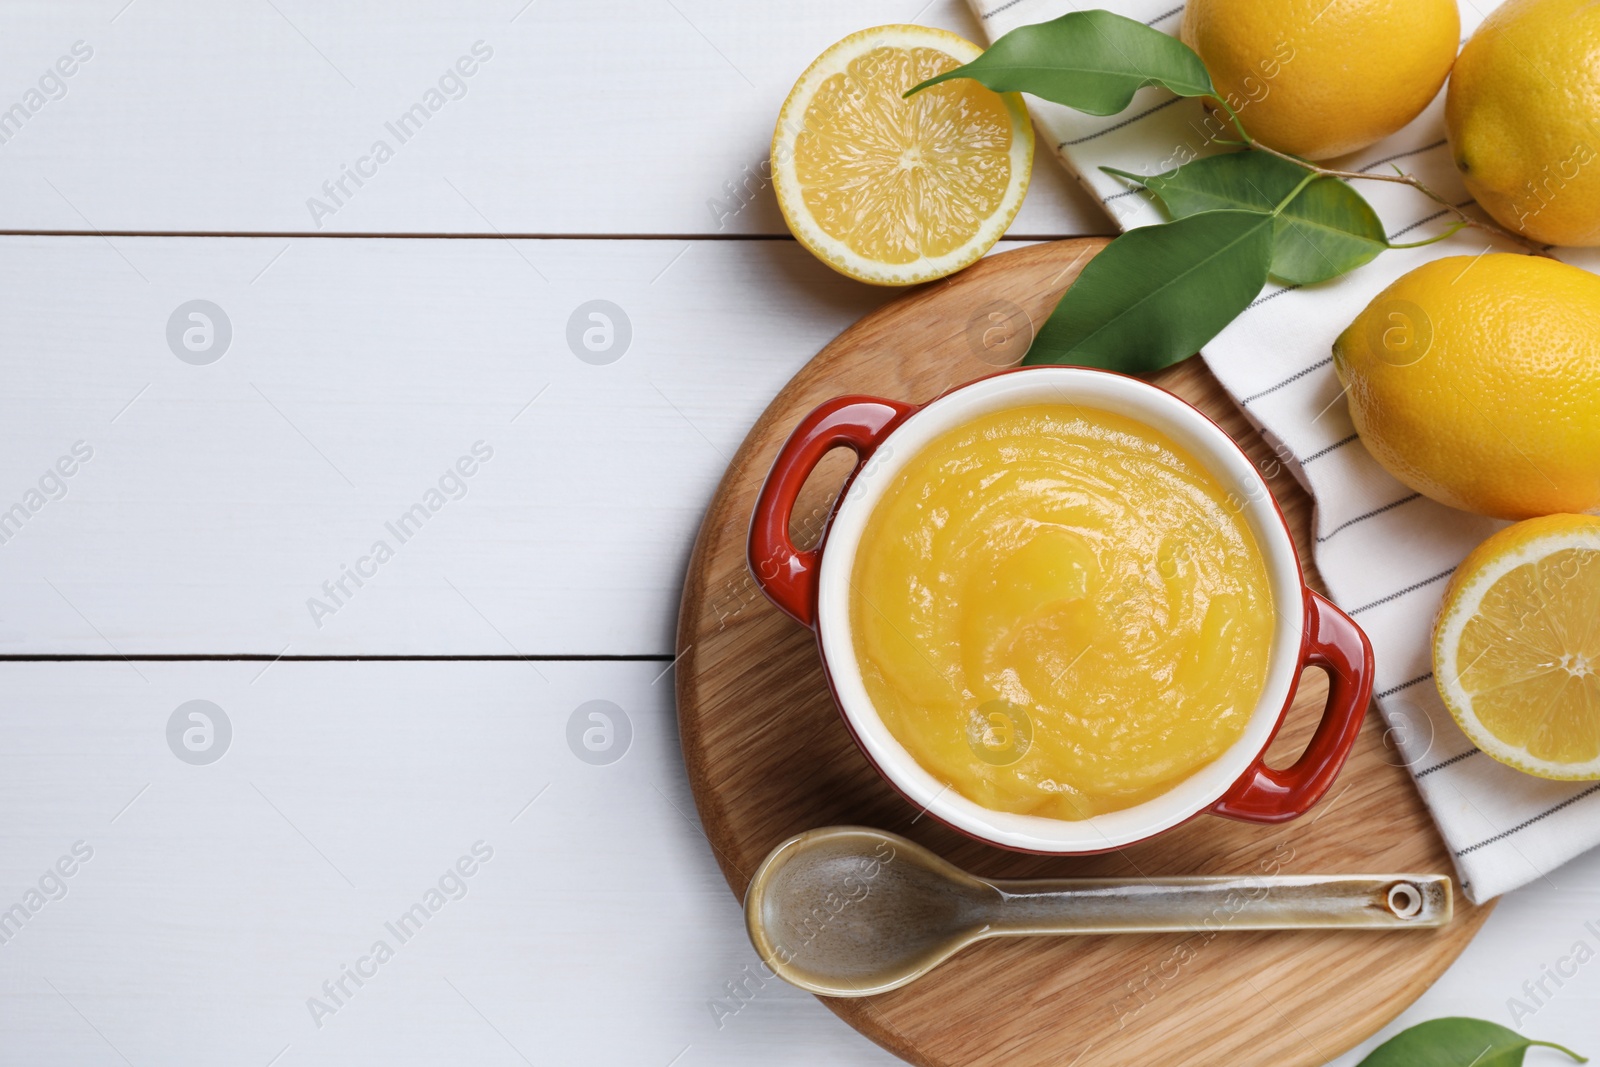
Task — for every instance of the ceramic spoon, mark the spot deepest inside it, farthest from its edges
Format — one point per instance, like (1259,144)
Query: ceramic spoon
(848,911)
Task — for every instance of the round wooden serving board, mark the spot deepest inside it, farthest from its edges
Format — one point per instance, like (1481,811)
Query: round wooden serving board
(768,756)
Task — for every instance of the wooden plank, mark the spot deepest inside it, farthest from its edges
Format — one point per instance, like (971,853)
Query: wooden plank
(220,498)
(606,117)
(217,899)
(600,931)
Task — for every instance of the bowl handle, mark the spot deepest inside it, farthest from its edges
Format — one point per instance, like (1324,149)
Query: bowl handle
(785,573)
(1337,645)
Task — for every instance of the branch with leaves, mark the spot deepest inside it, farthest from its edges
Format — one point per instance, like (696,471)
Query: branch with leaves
(1156,294)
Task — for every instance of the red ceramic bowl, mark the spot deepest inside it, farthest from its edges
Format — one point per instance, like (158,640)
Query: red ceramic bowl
(814,587)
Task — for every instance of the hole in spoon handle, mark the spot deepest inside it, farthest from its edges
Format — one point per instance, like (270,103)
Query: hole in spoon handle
(1405,900)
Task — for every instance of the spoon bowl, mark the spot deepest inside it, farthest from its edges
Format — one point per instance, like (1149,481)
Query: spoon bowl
(848,908)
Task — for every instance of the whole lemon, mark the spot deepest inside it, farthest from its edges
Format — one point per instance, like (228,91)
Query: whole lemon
(1476,381)
(1319,78)
(1523,115)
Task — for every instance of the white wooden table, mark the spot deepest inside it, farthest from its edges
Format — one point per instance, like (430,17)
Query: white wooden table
(399,359)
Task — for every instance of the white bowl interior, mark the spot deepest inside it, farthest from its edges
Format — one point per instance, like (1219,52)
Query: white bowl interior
(1108,392)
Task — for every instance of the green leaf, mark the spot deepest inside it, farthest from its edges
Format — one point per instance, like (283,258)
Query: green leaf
(1456,1042)
(1156,294)
(1093,61)
(1327,230)
(1241,181)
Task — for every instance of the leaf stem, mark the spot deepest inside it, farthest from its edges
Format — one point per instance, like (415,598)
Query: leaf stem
(1233,117)
(1563,1048)
(1129,175)
(1400,179)
(1451,232)
(1310,177)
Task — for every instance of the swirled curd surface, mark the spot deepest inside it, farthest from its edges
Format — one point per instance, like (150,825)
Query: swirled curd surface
(1060,612)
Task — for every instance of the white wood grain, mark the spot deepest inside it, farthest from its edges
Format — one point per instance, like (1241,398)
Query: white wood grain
(601,117)
(218,902)
(220,498)
(219,898)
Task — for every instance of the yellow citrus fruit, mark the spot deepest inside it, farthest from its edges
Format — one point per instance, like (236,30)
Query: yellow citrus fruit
(892,190)
(1516,650)
(1523,114)
(1319,78)
(1476,381)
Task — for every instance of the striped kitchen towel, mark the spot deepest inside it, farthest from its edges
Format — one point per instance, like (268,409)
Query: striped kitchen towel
(1384,552)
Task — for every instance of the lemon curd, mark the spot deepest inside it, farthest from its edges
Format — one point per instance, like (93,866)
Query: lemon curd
(1060,612)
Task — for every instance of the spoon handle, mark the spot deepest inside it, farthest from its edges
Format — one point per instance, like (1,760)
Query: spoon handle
(1259,902)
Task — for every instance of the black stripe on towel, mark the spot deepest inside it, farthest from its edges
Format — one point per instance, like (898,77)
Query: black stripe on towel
(1452,760)
(1263,299)
(1420,222)
(1361,518)
(1002,7)
(1331,448)
(1402,592)
(1159,18)
(1125,192)
(1392,690)
(1295,377)
(1120,125)
(1376,163)
(1524,825)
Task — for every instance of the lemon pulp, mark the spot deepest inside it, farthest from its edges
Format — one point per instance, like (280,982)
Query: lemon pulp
(901,180)
(1530,657)
(1060,612)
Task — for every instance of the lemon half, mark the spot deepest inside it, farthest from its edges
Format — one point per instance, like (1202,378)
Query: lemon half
(1516,650)
(891,190)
